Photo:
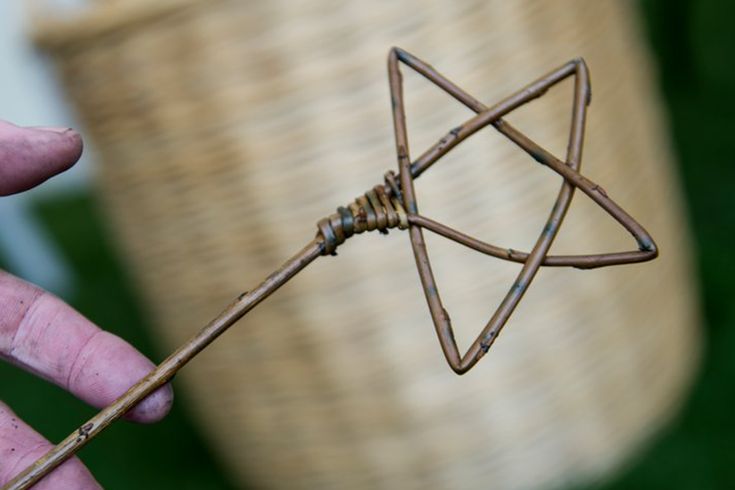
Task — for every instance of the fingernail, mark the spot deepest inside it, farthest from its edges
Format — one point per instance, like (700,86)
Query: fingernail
(52,129)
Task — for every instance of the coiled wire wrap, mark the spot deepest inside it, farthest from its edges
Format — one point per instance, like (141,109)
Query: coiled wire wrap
(380,209)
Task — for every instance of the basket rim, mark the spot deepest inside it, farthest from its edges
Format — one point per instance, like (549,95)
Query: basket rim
(51,32)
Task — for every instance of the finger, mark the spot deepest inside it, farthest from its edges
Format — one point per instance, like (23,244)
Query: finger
(42,334)
(29,156)
(20,446)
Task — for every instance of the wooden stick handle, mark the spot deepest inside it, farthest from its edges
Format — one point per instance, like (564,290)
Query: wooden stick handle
(164,371)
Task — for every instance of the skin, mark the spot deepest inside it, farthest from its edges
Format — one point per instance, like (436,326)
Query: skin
(43,335)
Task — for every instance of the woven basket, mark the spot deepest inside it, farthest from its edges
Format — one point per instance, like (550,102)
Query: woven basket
(226,129)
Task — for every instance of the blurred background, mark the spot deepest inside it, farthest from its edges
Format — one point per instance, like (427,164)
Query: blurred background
(203,120)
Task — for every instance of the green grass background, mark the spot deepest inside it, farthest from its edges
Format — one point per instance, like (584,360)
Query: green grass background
(693,43)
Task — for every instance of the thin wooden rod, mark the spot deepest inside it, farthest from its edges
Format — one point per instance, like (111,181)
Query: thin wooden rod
(166,370)
(576,261)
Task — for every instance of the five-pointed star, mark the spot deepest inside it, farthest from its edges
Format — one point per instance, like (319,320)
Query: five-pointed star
(568,169)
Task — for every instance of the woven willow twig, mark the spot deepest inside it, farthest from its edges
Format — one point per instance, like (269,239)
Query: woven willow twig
(393,205)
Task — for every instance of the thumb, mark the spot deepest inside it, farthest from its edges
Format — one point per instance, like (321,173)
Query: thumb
(29,156)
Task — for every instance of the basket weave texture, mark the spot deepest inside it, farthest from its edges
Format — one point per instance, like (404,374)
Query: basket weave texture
(226,129)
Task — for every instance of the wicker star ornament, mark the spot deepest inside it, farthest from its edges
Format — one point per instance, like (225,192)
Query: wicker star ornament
(393,205)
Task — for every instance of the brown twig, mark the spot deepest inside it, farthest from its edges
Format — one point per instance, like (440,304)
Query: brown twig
(393,205)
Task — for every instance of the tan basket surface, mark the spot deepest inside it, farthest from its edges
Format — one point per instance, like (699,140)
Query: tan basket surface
(226,129)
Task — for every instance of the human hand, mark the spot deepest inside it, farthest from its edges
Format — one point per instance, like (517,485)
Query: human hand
(43,335)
